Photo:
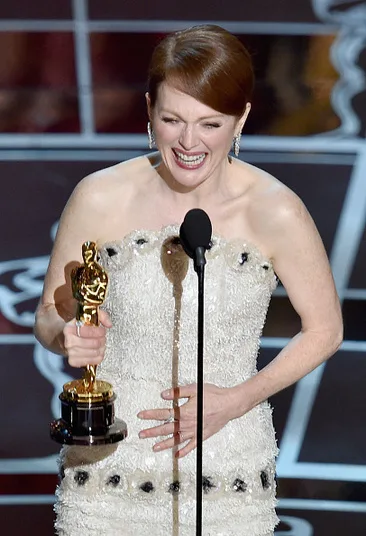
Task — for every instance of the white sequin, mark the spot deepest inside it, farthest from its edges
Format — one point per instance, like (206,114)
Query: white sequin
(152,300)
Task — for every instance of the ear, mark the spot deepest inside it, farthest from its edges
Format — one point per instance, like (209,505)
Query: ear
(243,119)
(148,104)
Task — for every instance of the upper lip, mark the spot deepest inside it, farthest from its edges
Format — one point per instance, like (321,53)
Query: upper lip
(186,153)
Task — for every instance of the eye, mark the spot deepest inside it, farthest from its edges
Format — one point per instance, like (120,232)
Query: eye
(169,120)
(211,125)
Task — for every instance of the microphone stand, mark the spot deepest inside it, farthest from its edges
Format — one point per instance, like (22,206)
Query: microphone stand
(199,266)
(195,234)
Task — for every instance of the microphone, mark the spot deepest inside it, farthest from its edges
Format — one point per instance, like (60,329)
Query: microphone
(195,236)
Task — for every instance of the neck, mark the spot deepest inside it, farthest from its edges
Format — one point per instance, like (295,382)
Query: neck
(212,188)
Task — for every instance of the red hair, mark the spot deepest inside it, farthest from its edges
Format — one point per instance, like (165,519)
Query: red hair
(206,62)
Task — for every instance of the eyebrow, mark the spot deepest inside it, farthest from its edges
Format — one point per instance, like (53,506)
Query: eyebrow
(205,118)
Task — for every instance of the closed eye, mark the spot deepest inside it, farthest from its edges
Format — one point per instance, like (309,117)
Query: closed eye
(169,120)
(212,125)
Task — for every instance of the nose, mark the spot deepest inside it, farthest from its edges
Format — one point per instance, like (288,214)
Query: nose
(188,137)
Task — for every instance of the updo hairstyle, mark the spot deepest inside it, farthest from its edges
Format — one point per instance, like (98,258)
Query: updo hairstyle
(206,62)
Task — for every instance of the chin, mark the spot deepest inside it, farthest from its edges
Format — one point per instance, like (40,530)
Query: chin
(190,179)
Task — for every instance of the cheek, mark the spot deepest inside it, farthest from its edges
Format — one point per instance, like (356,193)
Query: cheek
(220,143)
(165,134)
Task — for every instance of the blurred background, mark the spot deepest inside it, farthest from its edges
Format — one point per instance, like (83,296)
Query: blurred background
(72,83)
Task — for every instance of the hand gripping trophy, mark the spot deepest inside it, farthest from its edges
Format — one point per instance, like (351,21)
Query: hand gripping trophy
(87,410)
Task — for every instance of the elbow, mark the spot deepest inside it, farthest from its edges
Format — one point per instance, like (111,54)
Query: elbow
(339,331)
(327,338)
(37,327)
(335,337)
(37,332)
(337,340)
(43,324)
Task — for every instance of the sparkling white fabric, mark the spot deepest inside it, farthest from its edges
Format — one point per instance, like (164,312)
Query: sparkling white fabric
(129,490)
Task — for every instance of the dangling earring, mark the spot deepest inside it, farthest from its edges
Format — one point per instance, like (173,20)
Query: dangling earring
(236,144)
(150,135)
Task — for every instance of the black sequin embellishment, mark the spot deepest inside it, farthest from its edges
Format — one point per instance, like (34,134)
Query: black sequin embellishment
(239,485)
(147,487)
(265,266)
(243,258)
(174,487)
(62,472)
(265,480)
(111,252)
(207,484)
(141,241)
(81,478)
(114,480)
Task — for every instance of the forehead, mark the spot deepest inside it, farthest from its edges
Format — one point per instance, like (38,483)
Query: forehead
(175,101)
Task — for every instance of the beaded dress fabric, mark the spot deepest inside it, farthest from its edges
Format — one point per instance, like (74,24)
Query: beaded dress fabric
(129,490)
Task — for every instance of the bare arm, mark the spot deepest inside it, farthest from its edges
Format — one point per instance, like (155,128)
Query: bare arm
(301,263)
(49,326)
(79,222)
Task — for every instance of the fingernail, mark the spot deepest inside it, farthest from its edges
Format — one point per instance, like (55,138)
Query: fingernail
(156,447)
(142,435)
(166,393)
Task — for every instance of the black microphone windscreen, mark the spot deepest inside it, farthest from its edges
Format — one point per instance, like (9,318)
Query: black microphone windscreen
(195,231)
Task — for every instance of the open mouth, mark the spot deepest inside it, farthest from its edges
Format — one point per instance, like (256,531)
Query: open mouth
(189,161)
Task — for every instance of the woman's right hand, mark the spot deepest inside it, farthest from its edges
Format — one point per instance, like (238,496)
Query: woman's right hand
(86,345)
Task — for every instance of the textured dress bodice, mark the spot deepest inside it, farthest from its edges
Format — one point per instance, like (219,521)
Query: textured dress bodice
(152,346)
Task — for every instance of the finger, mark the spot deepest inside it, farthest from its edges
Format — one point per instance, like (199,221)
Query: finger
(93,332)
(187,448)
(161,430)
(82,361)
(104,318)
(177,439)
(87,353)
(184,391)
(80,357)
(83,343)
(160,414)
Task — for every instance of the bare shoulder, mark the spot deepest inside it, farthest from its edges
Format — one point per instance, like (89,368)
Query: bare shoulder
(269,194)
(272,205)
(276,216)
(95,210)
(98,204)
(102,188)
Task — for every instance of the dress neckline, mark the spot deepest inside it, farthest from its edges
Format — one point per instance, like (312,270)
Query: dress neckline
(173,230)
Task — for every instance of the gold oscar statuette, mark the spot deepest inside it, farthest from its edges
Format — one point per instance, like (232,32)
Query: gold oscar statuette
(87,405)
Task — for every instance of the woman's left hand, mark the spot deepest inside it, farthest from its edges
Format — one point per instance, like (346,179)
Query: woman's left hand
(181,421)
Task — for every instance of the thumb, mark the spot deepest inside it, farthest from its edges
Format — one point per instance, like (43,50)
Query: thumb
(104,318)
(184,391)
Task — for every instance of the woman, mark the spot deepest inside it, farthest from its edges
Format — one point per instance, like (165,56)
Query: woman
(198,99)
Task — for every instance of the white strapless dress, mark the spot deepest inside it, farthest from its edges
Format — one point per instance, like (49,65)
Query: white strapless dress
(129,490)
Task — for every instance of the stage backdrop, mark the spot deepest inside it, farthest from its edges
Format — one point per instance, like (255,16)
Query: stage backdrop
(72,83)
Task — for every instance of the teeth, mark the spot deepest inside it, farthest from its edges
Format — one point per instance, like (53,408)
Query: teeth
(188,158)
(194,159)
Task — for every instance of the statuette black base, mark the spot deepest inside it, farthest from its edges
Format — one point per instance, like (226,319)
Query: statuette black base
(84,423)
(62,433)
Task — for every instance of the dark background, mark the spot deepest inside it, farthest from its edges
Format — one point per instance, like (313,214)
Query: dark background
(72,83)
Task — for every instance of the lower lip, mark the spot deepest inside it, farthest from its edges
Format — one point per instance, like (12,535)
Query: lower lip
(182,165)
